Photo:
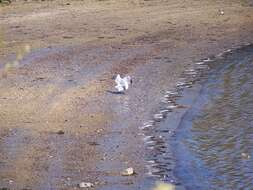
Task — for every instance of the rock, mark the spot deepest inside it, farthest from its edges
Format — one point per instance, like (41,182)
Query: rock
(86,185)
(128,172)
(60,132)
(222,12)
(99,130)
(172,106)
(158,117)
(164,111)
(245,155)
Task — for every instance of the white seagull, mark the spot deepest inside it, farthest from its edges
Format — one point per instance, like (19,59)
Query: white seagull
(122,83)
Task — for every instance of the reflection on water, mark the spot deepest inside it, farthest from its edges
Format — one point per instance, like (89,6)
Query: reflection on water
(214,142)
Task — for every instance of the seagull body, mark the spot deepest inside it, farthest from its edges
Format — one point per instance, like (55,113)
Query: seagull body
(122,83)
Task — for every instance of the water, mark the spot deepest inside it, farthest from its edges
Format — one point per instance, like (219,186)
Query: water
(213,143)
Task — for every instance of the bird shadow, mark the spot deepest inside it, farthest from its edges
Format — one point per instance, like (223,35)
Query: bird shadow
(115,92)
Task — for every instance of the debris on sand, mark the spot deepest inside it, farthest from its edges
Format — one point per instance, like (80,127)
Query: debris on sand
(86,185)
(128,172)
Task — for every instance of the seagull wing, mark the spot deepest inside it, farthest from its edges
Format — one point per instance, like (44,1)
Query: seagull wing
(118,79)
(128,79)
(126,84)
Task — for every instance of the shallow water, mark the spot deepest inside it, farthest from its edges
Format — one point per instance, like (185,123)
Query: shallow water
(213,144)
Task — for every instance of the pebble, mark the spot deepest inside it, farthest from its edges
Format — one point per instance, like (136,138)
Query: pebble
(151,161)
(245,155)
(128,172)
(150,142)
(86,185)
(228,50)
(191,72)
(207,60)
(165,111)
(146,126)
(180,84)
(171,93)
(147,138)
(151,122)
(166,96)
(60,132)
(202,67)
(199,63)
(172,106)
(151,147)
(158,117)
(164,100)
(220,54)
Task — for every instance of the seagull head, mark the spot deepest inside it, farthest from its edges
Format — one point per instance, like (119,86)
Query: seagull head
(129,79)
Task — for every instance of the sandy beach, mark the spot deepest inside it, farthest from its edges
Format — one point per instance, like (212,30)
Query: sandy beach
(59,123)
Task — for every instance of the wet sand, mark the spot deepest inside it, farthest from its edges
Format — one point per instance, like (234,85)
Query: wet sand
(62,84)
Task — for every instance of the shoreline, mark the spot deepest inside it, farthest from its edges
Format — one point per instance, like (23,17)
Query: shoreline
(159,132)
(197,99)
